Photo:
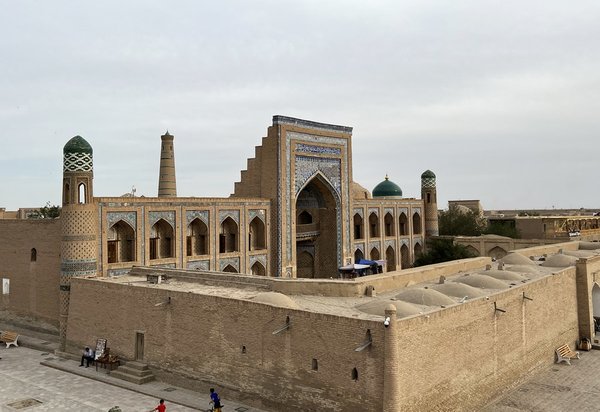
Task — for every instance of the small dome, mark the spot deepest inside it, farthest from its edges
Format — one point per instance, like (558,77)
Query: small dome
(77,145)
(387,188)
(428,174)
(275,299)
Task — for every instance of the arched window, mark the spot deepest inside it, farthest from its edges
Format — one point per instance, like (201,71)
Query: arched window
(418,249)
(121,243)
(161,240)
(358,255)
(417,224)
(305,218)
(403,224)
(82,190)
(375,254)
(258,269)
(306,265)
(315,365)
(230,269)
(358,227)
(404,257)
(256,235)
(388,221)
(67,192)
(197,238)
(354,374)
(33,255)
(390,257)
(373,225)
(229,236)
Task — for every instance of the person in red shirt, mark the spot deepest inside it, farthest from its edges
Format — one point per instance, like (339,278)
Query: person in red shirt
(161,406)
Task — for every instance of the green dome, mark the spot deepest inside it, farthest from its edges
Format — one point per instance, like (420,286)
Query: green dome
(428,174)
(77,145)
(387,188)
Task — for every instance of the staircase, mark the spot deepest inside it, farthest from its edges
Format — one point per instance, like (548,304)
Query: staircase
(135,372)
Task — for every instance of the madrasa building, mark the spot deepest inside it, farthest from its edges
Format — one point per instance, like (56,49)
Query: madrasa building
(243,292)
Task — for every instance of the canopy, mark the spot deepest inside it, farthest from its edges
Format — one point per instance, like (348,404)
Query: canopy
(366,262)
(355,266)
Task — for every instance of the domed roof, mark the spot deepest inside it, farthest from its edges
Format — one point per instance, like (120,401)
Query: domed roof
(387,188)
(77,145)
(428,174)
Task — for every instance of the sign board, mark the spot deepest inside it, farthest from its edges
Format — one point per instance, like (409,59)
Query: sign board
(100,347)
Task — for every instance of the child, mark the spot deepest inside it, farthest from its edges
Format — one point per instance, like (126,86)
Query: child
(161,406)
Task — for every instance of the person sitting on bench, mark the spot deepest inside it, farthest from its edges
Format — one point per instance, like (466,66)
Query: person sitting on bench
(88,355)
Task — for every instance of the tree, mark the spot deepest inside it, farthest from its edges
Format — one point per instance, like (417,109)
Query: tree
(47,212)
(442,250)
(502,229)
(458,222)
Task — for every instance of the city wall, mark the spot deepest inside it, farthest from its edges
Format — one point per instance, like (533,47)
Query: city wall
(33,276)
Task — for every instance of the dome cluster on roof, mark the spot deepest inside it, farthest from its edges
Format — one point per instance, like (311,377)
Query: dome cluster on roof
(77,145)
(387,188)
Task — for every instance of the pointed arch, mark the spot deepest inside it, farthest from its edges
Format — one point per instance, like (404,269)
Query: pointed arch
(417,228)
(418,249)
(375,255)
(359,231)
(197,238)
(373,225)
(82,193)
(497,252)
(390,258)
(258,269)
(33,255)
(388,224)
(256,234)
(403,224)
(121,242)
(229,236)
(161,240)
(304,218)
(473,250)
(404,257)
(230,269)
(305,265)
(358,255)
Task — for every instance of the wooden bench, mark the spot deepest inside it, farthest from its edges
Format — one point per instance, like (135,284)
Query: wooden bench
(565,354)
(10,338)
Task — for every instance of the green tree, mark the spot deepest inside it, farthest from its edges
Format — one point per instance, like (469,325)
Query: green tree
(442,250)
(502,229)
(47,212)
(458,222)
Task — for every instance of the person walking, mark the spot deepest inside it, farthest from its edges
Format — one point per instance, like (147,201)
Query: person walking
(215,400)
(161,407)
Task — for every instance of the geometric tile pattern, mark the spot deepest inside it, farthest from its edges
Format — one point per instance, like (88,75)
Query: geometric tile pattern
(77,162)
(260,213)
(317,149)
(307,167)
(193,214)
(127,217)
(234,214)
(233,261)
(428,182)
(262,259)
(358,212)
(168,216)
(199,265)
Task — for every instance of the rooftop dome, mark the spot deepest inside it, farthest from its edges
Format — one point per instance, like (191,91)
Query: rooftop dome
(428,174)
(387,188)
(77,145)
(275,299)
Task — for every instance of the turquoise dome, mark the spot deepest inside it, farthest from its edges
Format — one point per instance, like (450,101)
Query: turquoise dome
(387,188)
(77,145)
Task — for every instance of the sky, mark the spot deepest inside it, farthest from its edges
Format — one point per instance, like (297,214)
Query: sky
(499,98)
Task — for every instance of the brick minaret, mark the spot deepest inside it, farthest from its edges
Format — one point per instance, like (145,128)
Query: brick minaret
(167,184)
(429,196)
(79,223)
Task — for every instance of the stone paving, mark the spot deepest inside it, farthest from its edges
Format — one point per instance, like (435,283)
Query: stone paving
(560,388)
(27,385)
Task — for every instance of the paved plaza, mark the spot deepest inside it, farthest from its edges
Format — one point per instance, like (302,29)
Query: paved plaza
(61,385)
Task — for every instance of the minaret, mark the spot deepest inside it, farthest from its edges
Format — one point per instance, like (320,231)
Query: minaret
(79,223)
(429,196)
(167,184)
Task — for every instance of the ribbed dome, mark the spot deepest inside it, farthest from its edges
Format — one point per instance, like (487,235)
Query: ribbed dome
(77,145)
(387,188)
(428,174)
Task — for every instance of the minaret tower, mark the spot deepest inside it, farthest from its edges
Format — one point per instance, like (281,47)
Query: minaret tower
(79,223)
(429,196)
(167,185)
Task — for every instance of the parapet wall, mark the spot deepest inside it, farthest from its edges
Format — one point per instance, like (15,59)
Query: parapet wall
(327,287)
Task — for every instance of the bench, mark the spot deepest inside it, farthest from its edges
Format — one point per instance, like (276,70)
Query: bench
(10,338)
(565,354)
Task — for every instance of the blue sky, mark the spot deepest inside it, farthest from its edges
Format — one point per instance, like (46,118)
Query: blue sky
(499,99)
